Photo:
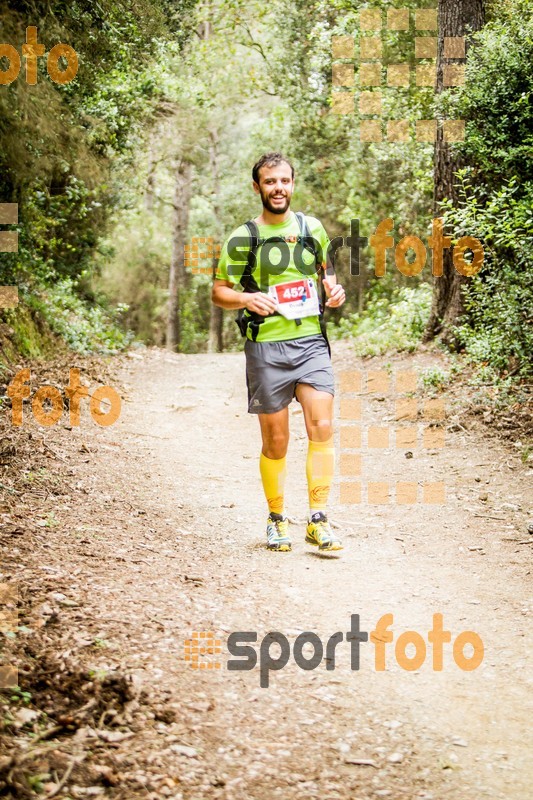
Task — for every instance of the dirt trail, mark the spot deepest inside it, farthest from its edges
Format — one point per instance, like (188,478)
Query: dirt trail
(166,538)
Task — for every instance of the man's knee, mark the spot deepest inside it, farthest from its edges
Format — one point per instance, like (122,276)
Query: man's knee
(319,413)
(275,444)
(321,430)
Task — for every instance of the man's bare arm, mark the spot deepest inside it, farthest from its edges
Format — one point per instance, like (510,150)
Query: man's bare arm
(225,296)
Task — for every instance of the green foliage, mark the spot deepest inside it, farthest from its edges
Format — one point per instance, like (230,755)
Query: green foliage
(497,195)
(389,323)
(134,271)
(24,334)
(65,151)
(496,102)
(434,378)
(20,696)
(498,391)
(85,328)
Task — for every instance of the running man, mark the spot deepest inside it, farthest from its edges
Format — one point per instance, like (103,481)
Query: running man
(286,354)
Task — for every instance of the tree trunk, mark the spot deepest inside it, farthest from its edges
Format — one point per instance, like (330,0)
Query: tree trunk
(456,18)
(216,319)
(178,277)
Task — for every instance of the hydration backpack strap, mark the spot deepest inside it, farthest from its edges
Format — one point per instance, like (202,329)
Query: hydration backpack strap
(246,276)
(249,284)
(305,235)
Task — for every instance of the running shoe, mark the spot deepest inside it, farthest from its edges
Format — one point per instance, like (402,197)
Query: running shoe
(319,533)
(277,533)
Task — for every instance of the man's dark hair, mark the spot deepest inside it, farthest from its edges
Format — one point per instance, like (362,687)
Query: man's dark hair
(270,160)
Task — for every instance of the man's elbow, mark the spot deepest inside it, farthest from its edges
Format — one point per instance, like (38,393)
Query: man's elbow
(215,297)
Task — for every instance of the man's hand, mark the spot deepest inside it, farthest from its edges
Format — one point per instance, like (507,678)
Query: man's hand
(260,303)
(334,291)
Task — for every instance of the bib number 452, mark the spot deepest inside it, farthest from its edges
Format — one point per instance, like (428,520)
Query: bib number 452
(293,293)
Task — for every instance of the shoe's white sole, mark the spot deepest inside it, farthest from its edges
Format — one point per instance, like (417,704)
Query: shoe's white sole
(324,549)
(280,548)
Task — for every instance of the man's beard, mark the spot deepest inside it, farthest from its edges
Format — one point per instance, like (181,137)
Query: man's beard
(275,209)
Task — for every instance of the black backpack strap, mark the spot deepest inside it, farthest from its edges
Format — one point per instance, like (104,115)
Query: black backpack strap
(249,284)
(305,235)
(246,277)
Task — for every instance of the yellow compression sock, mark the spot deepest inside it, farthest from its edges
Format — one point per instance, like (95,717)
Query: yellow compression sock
(320,467)
(273,472)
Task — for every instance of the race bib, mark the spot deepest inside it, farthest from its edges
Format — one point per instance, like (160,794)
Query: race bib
(296,299)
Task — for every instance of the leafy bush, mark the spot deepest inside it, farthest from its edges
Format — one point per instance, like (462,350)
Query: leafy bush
(388,323)
(434,378)
(86,329)
(497,195)
(499,300)
(496,101)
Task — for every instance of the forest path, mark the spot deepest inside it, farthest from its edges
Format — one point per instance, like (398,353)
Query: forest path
(172,508)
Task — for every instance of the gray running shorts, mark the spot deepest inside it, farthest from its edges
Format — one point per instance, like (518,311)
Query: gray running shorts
(274,368)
